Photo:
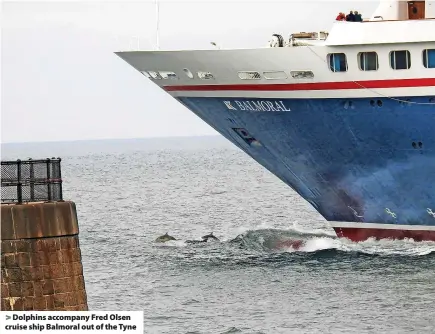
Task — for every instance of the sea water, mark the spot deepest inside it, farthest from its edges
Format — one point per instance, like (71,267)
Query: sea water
(129,192)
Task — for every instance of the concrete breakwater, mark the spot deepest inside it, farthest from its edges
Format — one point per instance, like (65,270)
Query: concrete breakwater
(41,266)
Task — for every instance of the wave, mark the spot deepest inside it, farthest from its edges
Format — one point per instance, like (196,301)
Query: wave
(310,241)
(297,240)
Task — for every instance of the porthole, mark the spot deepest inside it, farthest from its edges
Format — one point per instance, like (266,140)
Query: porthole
(249,75)
(302,74)
(168,75)
(155,75)
(205,75)
(379,103)
(188,73)
(274,75)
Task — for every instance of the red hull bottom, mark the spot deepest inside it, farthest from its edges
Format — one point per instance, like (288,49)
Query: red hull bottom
(361,234)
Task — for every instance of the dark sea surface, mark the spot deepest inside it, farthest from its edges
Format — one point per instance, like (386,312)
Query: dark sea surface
(129,192)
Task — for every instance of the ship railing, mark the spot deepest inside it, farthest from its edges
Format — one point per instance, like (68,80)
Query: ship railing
(24,181)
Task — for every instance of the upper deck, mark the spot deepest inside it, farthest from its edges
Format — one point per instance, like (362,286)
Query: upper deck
(393,22)
(402,10)
(381,32)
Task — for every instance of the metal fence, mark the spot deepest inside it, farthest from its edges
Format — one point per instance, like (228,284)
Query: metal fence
(31,181)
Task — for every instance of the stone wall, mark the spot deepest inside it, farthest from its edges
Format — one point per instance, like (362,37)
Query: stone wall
(41,266)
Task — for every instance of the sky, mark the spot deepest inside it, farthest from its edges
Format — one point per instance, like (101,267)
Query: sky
(61,81)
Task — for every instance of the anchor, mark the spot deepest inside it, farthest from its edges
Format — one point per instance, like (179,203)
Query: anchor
(429,211)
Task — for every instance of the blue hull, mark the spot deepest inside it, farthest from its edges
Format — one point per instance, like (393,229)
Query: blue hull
(358,161)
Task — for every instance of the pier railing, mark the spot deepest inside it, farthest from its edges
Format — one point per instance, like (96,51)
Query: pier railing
(24,181)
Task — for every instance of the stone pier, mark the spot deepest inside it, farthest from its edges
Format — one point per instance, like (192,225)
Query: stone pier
(41,266)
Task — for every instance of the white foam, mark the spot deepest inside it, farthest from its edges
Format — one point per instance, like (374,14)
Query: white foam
(325,230)
(171,243)
(370,246)
(328,240)
(316,244)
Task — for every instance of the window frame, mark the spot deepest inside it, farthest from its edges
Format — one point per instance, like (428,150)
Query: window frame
(331,67)
(205,75)
(425,54)
(408,59)
(155,75)
(360,61)
(268,75)
(298,74)
(168,75)
(249,75)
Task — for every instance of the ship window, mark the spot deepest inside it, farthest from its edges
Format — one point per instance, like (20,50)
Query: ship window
(429,58)
(275,75)
(154,75)
(146,74)
(368,61)
(302,74)
(400,60)
(337,62)
(205,75)
(249,75)
(168,75)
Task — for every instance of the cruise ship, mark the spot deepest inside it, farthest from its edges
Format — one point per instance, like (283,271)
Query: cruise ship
(346,118)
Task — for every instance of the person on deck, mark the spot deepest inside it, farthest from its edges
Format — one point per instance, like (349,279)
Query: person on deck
(358,17)
(340,17)
(350,17)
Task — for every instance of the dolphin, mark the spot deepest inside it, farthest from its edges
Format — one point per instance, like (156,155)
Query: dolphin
(209,236)
(164,238)
(205,238)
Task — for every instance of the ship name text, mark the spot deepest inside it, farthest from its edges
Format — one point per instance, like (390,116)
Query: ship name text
(256,105)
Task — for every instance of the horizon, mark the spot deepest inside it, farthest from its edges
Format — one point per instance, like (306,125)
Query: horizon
(117,139)
(75,148)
